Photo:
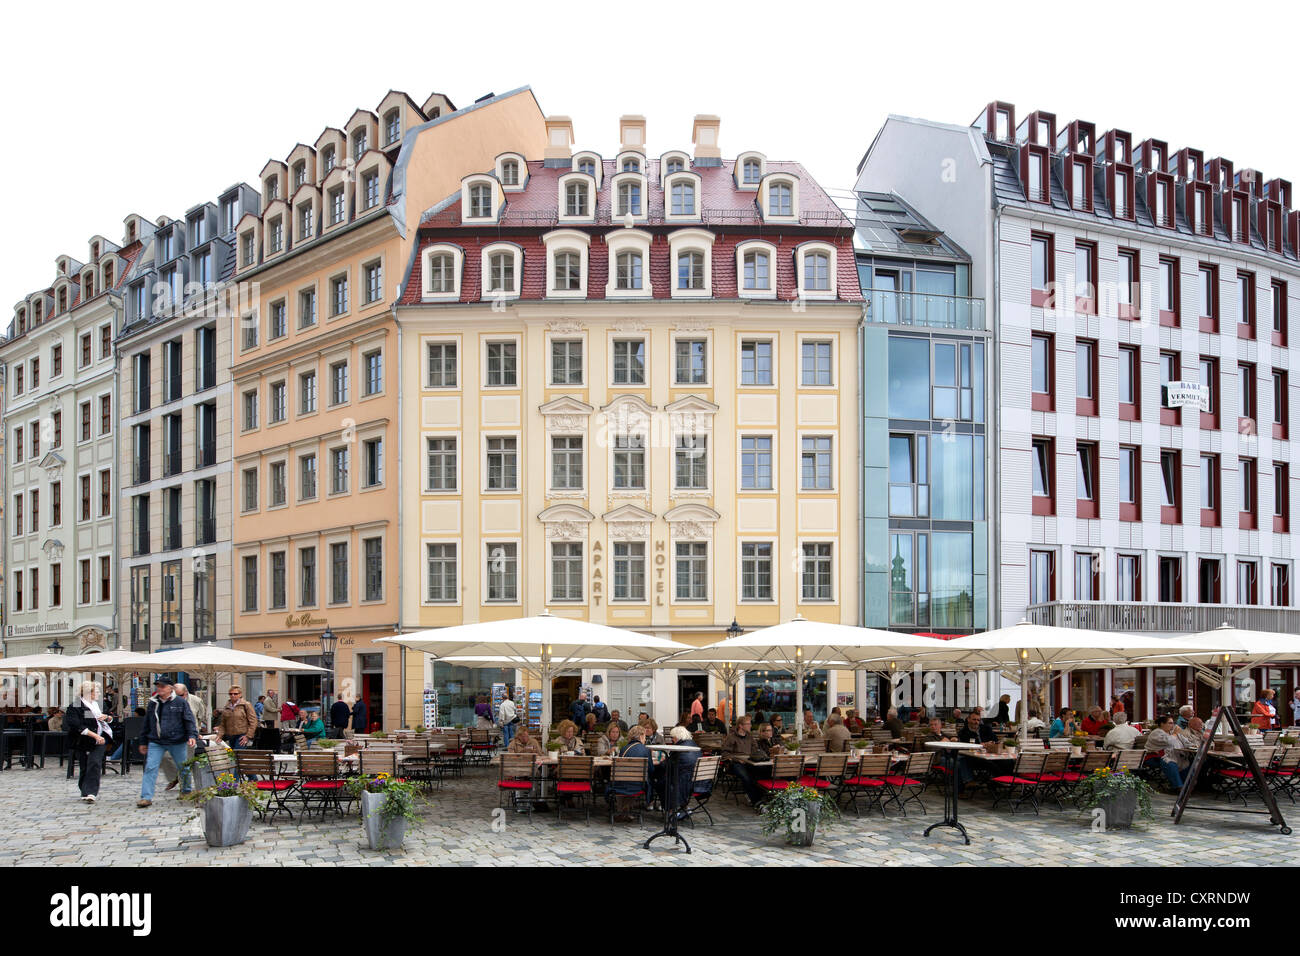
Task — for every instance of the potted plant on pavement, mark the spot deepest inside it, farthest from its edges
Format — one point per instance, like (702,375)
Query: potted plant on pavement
(227,807)
(1118,793)
(200,771)
(387,806)
(797,811)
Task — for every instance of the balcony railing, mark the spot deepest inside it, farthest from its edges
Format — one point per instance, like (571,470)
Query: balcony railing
(1174,618)
(140,474)
(207,455)
(205,531)
(171,462)
(924,309)
(172,537)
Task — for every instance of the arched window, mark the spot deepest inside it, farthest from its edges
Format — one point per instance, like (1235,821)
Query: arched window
(568,271)
(690,270)
(675,165)
(327,158)
(108,275)
(629,199)
(501,272)
(575,199)
(631,165)
(271,188)
(299,173)
(753,171)
(480,201)
(629,271)
(817,271)
(510,173)
(758,270)
(392,126)
(359,143)
(587,165)
(780,199)
(683,198)
(441,273)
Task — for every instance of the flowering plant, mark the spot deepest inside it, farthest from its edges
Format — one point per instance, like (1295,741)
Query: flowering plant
(228,785)
(1107,784)
(788,809)
(399,795)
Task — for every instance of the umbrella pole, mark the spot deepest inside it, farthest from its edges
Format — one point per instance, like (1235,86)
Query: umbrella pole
(544,723)
(1225,698)
(1024,703)
(798,698)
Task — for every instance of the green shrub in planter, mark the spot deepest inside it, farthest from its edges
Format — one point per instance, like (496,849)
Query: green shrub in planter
(798,811)
(1119,793)
(227,807)
(387,807)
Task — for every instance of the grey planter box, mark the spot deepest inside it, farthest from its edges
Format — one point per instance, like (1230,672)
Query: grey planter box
(1119,810)
(804,837)
(202,776)
(378,835)
(226,820)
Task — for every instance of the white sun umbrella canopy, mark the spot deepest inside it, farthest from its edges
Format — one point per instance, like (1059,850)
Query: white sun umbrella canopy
(1226,646)
(544,645)
(208,662)
(1025,646)
(16,671)
(118,663)
(800,645)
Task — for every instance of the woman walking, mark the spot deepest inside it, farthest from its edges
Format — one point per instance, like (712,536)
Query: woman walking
(88,729)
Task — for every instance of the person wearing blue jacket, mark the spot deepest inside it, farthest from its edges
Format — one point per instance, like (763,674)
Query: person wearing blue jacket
(624,793)
(169,727)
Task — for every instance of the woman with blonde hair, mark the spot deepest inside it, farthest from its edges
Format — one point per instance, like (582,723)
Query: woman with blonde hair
(88,731)
(570,742)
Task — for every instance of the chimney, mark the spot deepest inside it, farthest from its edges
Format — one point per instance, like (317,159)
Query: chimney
(704,134)
(631,133)
(559,141)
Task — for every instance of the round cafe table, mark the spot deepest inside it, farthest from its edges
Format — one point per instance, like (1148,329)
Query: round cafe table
(672,812)
(950,795)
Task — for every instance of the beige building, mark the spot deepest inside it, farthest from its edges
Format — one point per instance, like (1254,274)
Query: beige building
(629,396)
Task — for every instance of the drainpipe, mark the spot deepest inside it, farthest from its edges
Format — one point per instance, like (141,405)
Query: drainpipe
(862,473)
(401,552)
(994,513)
(117,482)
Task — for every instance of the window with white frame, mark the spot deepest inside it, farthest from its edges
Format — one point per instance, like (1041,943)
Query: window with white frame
(756,270)
(338,295)
(372,452)
(510,172)
(279,403)
(691,463)
(588,165)
(441,464)
(630,270)
(566,571)
(756,571)
(629,262)
(629,461)
(441,271)
(568,270)
(373,365)
(340,464)
(815,463)
(502,464)
(756,463)
(339,383)
(441,364)
(501,364)
(756,362)
(682,199)
(780,199)
(691,361)
(629,361)
(392,127)
(566,361)
(441,558)
(816,366)
(691,566)
(816,271)
(566,462)
(372,277)
(307,308)
(307,477)
(629,571)
(501,266)
(307,392)
(817,583)
(502,571)
(690,270)
(277,484)
(480,201)
(577,200)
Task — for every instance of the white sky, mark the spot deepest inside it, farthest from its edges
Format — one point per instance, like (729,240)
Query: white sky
(153,107)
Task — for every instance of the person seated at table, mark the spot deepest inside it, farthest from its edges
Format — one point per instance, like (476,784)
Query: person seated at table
(810,728)
(893,724)
(623,793)
(740,748)
(764,741)
(523,743)
(935,730)
(1064,725)
(1034,725)
(686,760)
(777,724)
(694,721)
(837,735)
(1185,714)
(611,741)
(854,723)
(958,718)
(713,724)
(652,735)
(1165,747)
(1122,735)
(570,742)
(1193,733)
(590,725)
(835,711)
(1003,713)
(313,728)
(1095,721)
(615,718)
(975,732)
(55,721)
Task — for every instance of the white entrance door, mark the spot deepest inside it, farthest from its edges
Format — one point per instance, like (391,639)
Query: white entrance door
(630,693)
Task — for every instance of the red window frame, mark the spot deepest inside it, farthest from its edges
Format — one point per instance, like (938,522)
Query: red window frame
(1093,573)
(1044,401)
(1281,497)
(1202,226)
(1088,507)
(1214,594)
(1248,482)
(1171,416)
(1050,558)
(1177,564)
(1087,406)
(1045,298)
(1130,275)
(1131,510)
(1172,514)
(1282,408)
(1280,593)
(1162,183)
(1220,173)
(1030,124)
(1210,419)
(1270,224)
(1116,146)
(1132,411)
(1246,323)
(1170,317)
(1209,323)
(1247,399)
(1085,293)
(1040,192)
(1152,154)
(1278,302)
(1212,517)
(1237,214)
(1085,202)
(1188,163)
(1137,573)
(1119,175)
(1043,504)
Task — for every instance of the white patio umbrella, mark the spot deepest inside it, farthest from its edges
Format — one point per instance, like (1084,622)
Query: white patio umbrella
(31,664)
(117,663)
(208,662)
(1026,645)
(543,645)
(800,646)
(1226,645)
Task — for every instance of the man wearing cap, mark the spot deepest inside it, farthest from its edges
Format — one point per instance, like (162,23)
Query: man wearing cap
(169,728)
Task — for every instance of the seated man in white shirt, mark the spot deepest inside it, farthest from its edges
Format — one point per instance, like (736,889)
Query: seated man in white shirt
(1122,735)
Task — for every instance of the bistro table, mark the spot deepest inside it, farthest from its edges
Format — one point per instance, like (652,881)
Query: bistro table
(950,795)
(672,813)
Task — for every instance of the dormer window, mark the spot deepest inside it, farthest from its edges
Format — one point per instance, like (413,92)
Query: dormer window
(480,201)
(248,250)
(502,264)
(370,189)
(629,260)
(338,206)
(108,275)
(299,174)
(88,288)
(690,251)
(130,232)
(674,165)
(167,246)
(690,271)
(753,171)
(94,252)
(780,199)
(1122,200)
(360,143)
(1078,171)
(567,274)
(327,158)
(275,235)
(1033,172)
(631,165)
(576,200)
(815,262)
(566,254)
(629,199)
(306,221)
(392,127)
(442,271)
(63,300)
(587,165)
(631,266)
(682,198)
(754,265)
(510,173)
(271,189)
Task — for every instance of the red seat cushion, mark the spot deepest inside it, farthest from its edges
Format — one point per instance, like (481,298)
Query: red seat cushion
(274,784)
(1234,774)
(941,768)
(515,785)
(902,782)
(1281,773)
(573,788)
(1073,776)
(1021,781)
(323,785)
(814,782)
(774,784)
(865,782)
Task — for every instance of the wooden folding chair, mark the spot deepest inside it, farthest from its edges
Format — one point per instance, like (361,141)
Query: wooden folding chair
(518,778)
(869,780)
(259,765)
(910,783)
(1093,761)
(703,783)
(376,760)
(1022,783)
(319,781)
(628,770)
(828,772)
(418,765)
(786,769)
(574,779)
(1129,760)
(1285,772)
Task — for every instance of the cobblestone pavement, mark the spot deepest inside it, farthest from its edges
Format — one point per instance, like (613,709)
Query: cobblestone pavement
(44,823)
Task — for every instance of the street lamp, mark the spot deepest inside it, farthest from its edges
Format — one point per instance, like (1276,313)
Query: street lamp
(328,642)
(54,647)
(733,631)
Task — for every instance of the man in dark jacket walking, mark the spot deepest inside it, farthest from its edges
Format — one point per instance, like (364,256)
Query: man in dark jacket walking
(168,728)
(339,714)
(360,723)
